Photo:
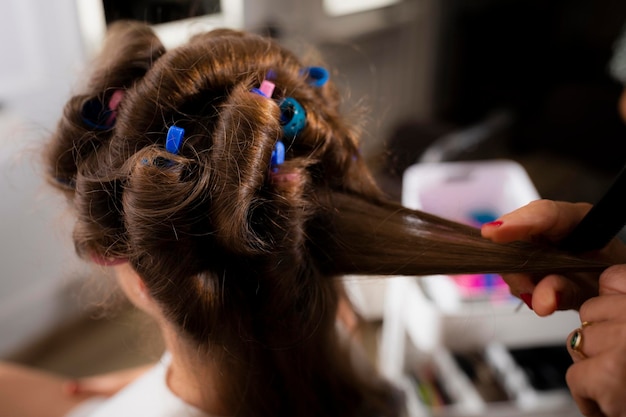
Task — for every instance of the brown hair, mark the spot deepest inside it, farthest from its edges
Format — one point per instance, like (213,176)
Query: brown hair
(243,262)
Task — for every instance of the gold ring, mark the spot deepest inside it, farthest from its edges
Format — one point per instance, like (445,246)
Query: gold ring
(585,324)
(576,342)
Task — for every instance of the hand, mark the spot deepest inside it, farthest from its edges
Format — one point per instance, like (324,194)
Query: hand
(104,385)
(597,378)
(548,221)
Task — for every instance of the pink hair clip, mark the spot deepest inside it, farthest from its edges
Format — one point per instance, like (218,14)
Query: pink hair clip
(99,116)
(115,100)
(266,89)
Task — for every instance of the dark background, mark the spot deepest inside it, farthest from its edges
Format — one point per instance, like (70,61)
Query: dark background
(544,61)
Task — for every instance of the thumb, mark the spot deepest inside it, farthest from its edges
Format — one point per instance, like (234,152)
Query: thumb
(613,280)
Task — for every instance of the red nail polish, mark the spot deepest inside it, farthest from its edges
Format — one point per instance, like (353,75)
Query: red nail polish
(496,223)
(558,296)
(70,387)
(528,299)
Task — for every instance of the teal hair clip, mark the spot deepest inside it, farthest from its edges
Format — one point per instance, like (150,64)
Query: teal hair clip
(292,117)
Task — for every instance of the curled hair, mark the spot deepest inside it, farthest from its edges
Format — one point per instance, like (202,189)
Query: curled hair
(242,259)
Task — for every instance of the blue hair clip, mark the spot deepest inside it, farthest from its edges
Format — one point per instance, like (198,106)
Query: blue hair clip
(278,154)
(97,116)
(292,117)
(318,76)
(174,138)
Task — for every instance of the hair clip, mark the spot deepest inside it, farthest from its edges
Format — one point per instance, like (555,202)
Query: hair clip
(69,183)
(318,76)
(292,117)
(174,138)
(159,162)
(278,155)
(266,89)
(97,116)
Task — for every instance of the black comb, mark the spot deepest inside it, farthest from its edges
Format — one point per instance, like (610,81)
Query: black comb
(603,222)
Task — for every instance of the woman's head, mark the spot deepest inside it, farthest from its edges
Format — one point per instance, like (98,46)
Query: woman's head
(218,235)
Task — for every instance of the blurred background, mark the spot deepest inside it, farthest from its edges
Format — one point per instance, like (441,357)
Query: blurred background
(441,80)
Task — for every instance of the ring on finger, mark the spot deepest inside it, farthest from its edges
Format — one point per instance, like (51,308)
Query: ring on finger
(576,341)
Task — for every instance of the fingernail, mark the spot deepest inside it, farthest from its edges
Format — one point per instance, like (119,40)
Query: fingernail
(496,223)
(70,387)
(528,299)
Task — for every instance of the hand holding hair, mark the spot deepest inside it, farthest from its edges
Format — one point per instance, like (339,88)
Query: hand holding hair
(550,222)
